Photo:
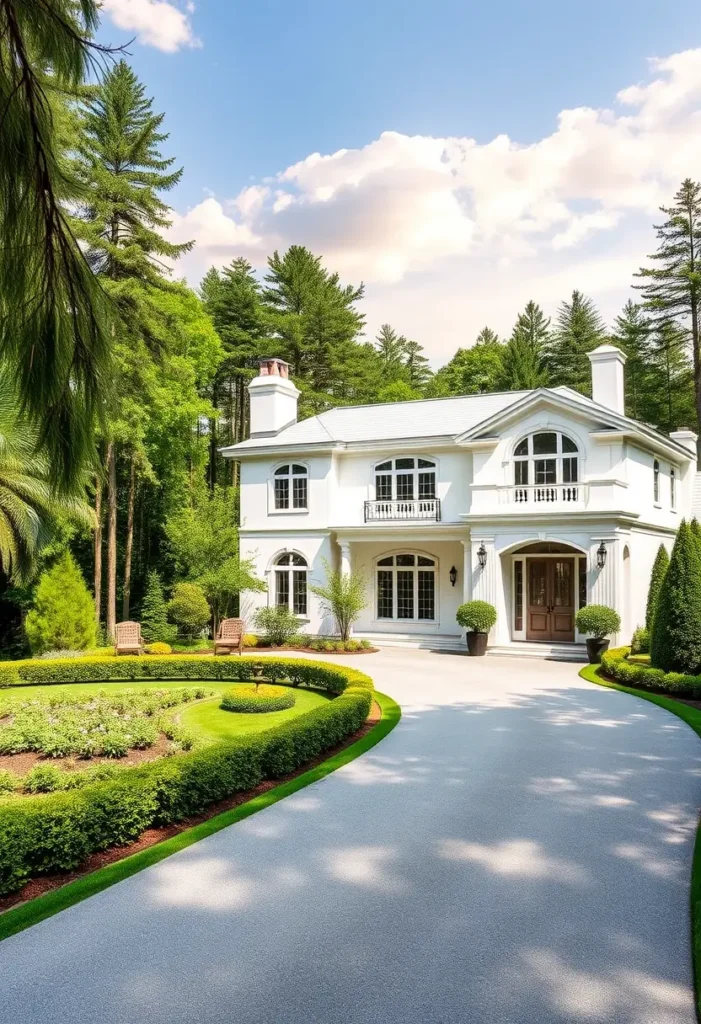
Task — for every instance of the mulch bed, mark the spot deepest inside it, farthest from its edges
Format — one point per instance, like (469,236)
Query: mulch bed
(22,763)
(47,883)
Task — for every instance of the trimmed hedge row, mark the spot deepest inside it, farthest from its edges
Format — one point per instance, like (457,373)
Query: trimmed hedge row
(56,832)
(676,684)
(333,678)
(245,698)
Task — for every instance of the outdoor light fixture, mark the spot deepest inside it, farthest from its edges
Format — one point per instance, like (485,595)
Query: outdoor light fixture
(601,555)
(453,574)
(482,555)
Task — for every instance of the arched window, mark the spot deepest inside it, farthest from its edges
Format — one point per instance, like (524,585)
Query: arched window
(546,468)
(291,582)
(290,487)
(672,488)
(656,482)
(405,479)
(406,588)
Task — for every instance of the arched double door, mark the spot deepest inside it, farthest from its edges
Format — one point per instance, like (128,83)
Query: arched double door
(550,576)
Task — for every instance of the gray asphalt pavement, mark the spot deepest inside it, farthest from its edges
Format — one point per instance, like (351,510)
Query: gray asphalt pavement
(517,851)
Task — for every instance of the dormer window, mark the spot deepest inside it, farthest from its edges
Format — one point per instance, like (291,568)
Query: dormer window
(405,479)
(546,467)
(290,487)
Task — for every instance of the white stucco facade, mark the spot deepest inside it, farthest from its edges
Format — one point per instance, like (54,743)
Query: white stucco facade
(511,498)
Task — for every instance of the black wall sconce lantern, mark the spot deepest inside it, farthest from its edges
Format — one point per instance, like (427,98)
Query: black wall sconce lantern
(601,555)
(453,575)
(482,555)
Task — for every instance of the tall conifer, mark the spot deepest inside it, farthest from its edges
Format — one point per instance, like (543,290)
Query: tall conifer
(578,329)
(675,645)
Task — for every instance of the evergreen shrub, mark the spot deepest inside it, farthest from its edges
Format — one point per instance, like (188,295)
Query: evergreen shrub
(154,613)
(189,608)
(63,616)
(476,616)
(659,571)
(675,645)
(614,664)
(640,644)
(248,697)
(597,620)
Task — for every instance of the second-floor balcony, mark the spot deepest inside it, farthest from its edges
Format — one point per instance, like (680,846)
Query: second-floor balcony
(404,510)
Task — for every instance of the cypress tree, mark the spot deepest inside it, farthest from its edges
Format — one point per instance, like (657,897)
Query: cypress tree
(659,571)
(676,635)
(154,613)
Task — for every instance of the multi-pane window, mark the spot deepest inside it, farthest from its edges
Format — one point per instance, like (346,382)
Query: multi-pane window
(291,582)
(406,588)
(405,479)
(290,486)
(656,481)
(518,595)
(672,488)
(542,463)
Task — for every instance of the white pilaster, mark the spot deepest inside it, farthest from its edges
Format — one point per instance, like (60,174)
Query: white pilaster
(345,558)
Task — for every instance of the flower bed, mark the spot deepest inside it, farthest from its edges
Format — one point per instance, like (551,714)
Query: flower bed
(57,831)
(248,698)
(615,664)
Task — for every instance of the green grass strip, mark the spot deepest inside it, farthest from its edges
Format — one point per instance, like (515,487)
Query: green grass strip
(692,717)
(27,914)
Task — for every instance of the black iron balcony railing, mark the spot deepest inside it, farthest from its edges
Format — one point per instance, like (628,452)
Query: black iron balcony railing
(419,508)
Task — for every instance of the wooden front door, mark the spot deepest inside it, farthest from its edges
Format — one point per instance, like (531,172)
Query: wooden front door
(550,610)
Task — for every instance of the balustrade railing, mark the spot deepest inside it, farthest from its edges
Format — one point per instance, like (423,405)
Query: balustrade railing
(419,508)
(544,494)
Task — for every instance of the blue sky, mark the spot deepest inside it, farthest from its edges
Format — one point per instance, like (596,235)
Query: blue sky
(251,90)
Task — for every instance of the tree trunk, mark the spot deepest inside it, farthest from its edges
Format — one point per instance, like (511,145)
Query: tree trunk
(98,548)
(111,542)
(213,440)
(130,540)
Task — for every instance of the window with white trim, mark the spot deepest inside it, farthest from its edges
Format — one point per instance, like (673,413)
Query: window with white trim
(656,482)
(291,582)
(546,467)
(406,588)
(290,487)
(672,488)
(405,479)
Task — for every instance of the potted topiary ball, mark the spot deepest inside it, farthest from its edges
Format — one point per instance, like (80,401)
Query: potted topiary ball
(598,621)
(477,617)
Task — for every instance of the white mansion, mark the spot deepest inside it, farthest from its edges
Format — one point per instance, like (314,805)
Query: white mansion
(536,501)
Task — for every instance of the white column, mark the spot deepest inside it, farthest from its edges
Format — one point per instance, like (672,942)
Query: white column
(345,558)
(466,571)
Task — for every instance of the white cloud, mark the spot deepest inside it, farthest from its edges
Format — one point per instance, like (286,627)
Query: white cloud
(450,233)
(158,23)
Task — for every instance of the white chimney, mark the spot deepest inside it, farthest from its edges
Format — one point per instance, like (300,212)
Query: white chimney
(273,398)
(607,387)
(686,438)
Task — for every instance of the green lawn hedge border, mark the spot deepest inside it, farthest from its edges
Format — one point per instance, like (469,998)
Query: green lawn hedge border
(56,832)
(692,717)
(614,664)
(38,909)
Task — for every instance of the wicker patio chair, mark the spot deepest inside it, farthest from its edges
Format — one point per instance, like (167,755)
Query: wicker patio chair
(128,640)
(229,636)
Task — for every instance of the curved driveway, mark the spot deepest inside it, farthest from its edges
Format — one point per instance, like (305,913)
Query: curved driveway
(517,850)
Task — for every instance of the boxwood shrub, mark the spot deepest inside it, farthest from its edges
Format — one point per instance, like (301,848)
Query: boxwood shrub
(57,831)
(245,698)
(676,684)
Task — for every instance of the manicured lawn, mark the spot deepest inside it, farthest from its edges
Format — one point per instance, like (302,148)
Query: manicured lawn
(207,721)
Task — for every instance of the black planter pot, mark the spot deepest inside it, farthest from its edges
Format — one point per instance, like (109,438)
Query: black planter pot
(595,648)
(477,644)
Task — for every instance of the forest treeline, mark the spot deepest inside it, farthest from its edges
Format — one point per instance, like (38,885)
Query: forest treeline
(119,382)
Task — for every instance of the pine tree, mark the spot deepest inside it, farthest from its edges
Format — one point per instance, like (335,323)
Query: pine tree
(578,329)
(122,222)
(676,632)
(63,616)
(316,326)
(155,627)
(631,333)
(417,368)
(659,571)
(671,397)
(524,366)
(391,350)
(672,287)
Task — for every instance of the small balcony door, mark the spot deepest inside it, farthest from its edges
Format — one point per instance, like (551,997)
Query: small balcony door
(550,599)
